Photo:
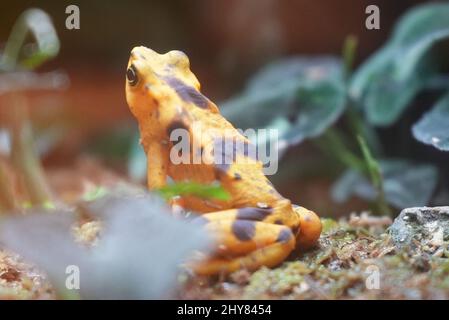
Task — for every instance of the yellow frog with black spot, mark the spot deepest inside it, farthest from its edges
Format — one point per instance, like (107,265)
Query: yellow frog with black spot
(256,226)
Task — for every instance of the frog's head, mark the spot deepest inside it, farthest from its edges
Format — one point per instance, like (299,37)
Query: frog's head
(153,78)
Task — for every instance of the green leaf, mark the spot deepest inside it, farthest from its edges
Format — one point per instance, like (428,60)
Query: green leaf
(303,95)
(328,225)
(37,23)
(405,184)
(95,194)
(196,189)
(386,83)
(433,127)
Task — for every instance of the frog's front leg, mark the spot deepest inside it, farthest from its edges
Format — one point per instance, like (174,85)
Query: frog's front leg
(157,164)
(243,243)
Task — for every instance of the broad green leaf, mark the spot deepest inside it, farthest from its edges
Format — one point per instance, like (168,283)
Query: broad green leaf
(196,189)
(282,73)
(258,110)
(303,95)
(433,127)
(319,107)
(37,23)
(387,82)
(419,21)
(405,184)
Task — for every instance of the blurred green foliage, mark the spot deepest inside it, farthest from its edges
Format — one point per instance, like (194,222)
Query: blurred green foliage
(17,59)
(405,184)
(19,54)
(387,82)
(304,97)
(433,128)
(301,97)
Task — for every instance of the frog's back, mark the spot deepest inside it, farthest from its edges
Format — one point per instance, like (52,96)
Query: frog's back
(227,157)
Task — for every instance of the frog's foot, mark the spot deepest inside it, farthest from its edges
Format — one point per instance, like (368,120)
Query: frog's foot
(310,227)
(244,244)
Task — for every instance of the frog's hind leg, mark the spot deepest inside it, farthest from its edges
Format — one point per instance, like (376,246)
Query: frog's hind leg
(245,244)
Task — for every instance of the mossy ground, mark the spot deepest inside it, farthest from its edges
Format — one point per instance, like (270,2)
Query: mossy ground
(344,265)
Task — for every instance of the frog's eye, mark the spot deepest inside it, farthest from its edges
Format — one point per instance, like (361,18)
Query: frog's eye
(131,76)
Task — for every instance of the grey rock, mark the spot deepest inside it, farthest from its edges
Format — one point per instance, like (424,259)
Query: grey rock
(426,226)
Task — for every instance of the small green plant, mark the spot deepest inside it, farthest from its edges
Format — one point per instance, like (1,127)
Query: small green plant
(305,97)
(203,191)
(375,175)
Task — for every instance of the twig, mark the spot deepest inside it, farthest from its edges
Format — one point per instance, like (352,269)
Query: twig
(23,155)
(7,202)
(26,80)
(348,53)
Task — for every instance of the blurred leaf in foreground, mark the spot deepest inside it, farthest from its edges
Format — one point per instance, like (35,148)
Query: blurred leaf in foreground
(433,127)
(301,97)
(136,257)
(405,184)
(386,83)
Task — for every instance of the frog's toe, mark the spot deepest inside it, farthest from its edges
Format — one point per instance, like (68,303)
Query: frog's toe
(310,228)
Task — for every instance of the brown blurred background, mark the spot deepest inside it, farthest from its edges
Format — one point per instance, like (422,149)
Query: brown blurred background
(226,40)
